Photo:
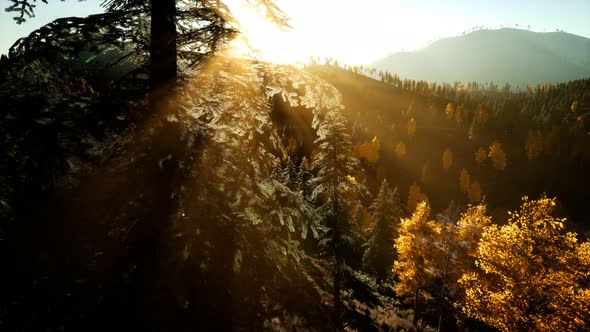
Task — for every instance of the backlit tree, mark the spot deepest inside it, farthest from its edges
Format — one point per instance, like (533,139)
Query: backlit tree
(385,215)
(334,189)
(528,274)
(415,246)
(497,155)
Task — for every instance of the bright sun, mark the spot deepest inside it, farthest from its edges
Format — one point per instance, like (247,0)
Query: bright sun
(270,42)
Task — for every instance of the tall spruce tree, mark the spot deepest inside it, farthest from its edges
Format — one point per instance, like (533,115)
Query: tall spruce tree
(379,250)
(333,187)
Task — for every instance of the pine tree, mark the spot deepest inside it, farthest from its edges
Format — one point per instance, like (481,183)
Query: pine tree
(332,191)
(385,214)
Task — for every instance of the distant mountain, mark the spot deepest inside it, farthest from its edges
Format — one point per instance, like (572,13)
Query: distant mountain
(520,57)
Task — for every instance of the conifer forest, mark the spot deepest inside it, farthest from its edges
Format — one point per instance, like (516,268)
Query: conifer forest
(156,174)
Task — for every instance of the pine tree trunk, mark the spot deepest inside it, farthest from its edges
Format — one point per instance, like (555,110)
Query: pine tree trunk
(164,152)
(337,298)
(442,294)
(162,50)
(415,319)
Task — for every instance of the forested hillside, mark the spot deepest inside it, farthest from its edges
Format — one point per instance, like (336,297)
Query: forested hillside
(195,188)
(462,142)
(520,57)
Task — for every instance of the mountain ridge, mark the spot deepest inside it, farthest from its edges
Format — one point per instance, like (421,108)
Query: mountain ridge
(519,57)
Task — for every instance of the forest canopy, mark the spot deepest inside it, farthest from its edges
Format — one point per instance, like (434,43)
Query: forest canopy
(157,177)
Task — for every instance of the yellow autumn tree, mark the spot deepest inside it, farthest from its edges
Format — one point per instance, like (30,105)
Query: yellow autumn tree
(368,151)
(481,155)
(574,106)
(474,193)
(435,253)
(470,228)
(534,145)
(411,127)
(466,235)
(414,246)
(400,150)
(415,196)
(447,159)
(464,181)
(449,111)
(529,273)
(497,155)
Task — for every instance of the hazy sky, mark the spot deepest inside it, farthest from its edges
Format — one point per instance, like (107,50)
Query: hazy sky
(359,31)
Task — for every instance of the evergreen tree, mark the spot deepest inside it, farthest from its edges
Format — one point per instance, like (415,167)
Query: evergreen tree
(333,187)
(385,214)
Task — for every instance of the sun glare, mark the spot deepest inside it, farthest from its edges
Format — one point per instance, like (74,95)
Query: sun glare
(262,39)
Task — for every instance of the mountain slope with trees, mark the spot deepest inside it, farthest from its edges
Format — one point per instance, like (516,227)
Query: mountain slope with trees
(469,141)
(260,196)
(519,57)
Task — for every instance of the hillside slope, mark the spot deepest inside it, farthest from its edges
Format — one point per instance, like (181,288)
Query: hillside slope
(519,57)
(543,139)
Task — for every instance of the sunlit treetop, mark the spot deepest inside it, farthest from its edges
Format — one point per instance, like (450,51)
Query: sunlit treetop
(530,274)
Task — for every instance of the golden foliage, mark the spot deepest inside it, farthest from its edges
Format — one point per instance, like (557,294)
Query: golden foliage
(464,181)
(447,159)
(449,111)
(534,145)
(414,245)
(470,227)
(481,155)
(474,193)
(411,127)
(415,196)
(368,151)
(497,155)
(400,150)
(351,179)
(529,274)
(481,115)
(574,106)
(467,234)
